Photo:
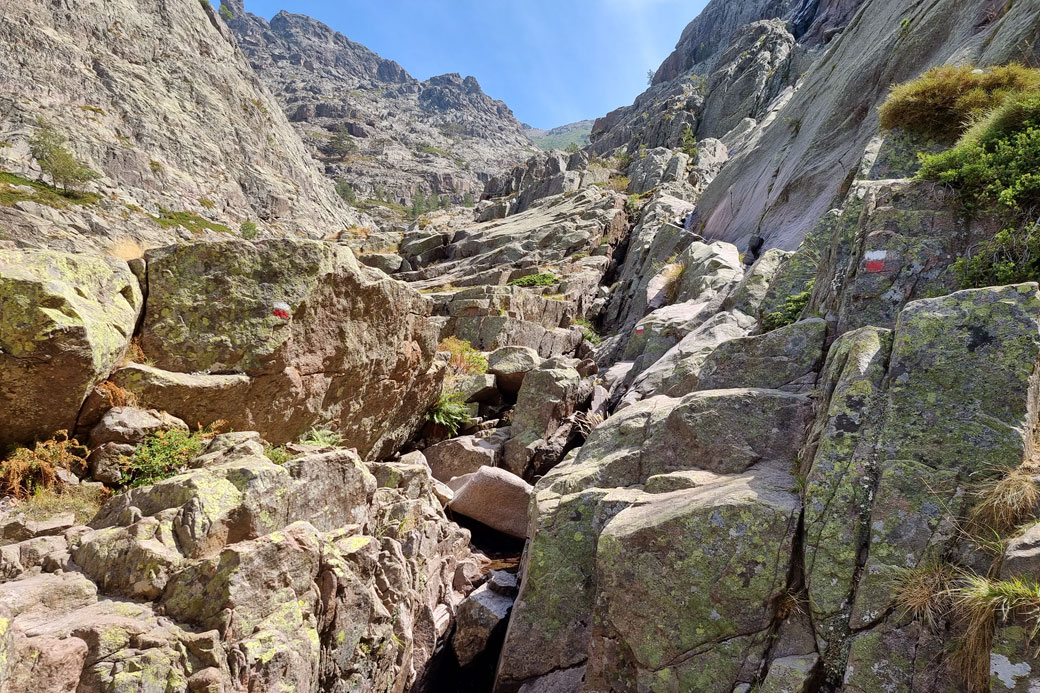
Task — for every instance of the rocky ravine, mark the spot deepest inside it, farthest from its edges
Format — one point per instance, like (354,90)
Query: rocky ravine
(723,464)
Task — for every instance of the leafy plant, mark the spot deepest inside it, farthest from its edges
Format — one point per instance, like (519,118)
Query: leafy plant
(450,412)
(790,311)
(164,454)
(47,146)
(541,279)
(464,358)
(248,230)
(322,437)
(27,471)
(277,454)
(588,331)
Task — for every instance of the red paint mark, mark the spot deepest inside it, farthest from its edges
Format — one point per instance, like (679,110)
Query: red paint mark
(639,330)
(876,266)
(283,314)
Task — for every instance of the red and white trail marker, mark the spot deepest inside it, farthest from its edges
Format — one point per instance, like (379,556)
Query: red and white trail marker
(281,310)
(875,260)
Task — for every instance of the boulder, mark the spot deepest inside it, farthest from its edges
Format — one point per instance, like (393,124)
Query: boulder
(509,365)
(105,462)
(496,498)
(481,617)
(130,426)
(65,321)
(547,397)
(464,455)
(351,351)
(784,359)
(1022,556)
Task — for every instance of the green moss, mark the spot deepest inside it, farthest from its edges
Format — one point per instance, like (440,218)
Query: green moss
(789,312)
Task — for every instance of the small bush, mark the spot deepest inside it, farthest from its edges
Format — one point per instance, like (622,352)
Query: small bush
(450,412)
(322,437)
(225,13)
(944,101)
(689,142)
(619,184)
(155,166)
(27,471)
(541,279)
(164,454)
(248,230)
(464,358)
(588,331)
(622,161)
(346,191)
(790,311)
(277,454)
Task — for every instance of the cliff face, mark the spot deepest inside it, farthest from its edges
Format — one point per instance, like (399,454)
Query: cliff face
(157,98)
(444,136)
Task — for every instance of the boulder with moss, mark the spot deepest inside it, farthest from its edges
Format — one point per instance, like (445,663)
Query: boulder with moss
(65,322)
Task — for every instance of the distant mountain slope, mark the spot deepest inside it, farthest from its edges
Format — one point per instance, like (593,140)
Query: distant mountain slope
(561,137)
(444,136)
(154,96)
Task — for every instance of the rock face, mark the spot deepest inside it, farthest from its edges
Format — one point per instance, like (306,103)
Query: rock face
(443,136)
(156,97)
(350,349)
(65,321)
(256,589)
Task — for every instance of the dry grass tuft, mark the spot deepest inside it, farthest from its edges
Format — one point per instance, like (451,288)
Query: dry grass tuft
(923,592)
(674,274)
(135,354)
(944,101)
(1006,502)
(126,249)
(83,501)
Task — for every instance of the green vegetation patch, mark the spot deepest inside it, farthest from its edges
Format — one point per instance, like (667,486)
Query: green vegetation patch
(541,279)
(790,311)
(162,455)
(190,221)
(450,412)
(41,192)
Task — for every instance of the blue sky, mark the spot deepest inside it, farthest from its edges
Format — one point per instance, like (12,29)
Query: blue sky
(553,61)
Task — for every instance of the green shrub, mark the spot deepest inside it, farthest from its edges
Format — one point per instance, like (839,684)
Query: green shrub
(464,358)
(588,331)
(225,13)
(450,412)
(277,454)
(945,100)
(346,191)
(248,230)
(162,455)
(468,200)
(541,279)
(790,311)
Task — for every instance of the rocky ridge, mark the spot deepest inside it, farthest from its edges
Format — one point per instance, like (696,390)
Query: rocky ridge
(440,137)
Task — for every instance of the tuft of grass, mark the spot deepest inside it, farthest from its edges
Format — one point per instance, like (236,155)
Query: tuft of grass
(126,249)
(450,412)
(27,471)
(164,454)
(673,275)
(977,601)
(619,184)
(464,358)
(207,203)
(1006,502)
(83,501)
(541,279)
(943,102)
(923,592)
(322,437)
